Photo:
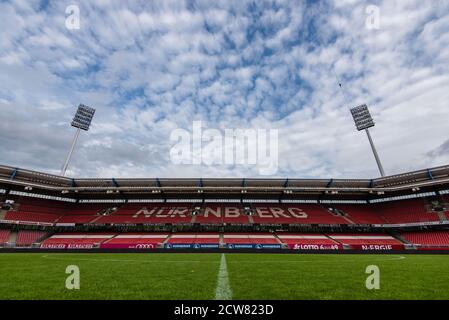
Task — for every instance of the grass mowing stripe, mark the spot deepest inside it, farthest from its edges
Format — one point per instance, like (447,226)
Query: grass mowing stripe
(120,260)
(223,291)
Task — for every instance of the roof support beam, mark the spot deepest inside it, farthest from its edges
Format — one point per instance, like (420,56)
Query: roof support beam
(429,173)
(13,174)
(158,184)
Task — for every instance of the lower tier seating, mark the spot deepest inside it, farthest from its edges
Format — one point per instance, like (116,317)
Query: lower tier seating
(308,241)
(76,240)
(249,239)
(26,238)
(198,238)
(368,241)
(4,236)
(135,241)
(427,238)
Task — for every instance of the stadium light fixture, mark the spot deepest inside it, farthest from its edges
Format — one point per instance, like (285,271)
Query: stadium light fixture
(364,121)
(81,121)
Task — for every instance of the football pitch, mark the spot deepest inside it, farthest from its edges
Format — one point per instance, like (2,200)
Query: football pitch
(222,276)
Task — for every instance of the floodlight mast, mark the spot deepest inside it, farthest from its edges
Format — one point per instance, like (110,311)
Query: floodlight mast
(364,121)
(81,121)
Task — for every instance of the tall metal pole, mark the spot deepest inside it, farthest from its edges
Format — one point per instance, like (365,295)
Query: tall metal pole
(379,164)
(66,164)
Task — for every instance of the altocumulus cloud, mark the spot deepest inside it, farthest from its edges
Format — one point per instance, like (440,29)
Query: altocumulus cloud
(150,67)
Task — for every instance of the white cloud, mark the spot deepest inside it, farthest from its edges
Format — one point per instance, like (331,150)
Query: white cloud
(150,67)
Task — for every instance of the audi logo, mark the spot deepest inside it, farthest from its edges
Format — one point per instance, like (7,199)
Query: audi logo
(144,246)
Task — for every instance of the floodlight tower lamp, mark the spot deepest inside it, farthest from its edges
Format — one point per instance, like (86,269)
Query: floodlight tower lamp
(81,121)
(364,121)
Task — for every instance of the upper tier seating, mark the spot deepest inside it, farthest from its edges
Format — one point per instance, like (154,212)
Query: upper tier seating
(229,213)
(76,218)
(395,212)
(362,214)
(151,213)
(31,216)
(294,214)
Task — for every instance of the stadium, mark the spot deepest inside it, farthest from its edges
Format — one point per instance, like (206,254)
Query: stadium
(204,151)
(53,219)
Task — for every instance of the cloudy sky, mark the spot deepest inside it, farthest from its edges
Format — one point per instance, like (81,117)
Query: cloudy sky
(150,67)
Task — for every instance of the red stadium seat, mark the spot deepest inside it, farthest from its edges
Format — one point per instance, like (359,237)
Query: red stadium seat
(76,240)
(395,212)
(135,241)
(26,238)
(427,238)
(4,236)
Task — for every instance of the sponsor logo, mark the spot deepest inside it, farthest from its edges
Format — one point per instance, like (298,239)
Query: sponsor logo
(253,246)
(144,246)
(377,247)
(314,247)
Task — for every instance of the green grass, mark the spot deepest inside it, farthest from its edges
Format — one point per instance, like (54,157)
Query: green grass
(194,276)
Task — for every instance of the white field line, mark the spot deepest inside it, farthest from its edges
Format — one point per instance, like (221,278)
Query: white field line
(55,257)
(223,290)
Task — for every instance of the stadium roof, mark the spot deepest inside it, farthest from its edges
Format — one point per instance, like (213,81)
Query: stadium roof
(205,188)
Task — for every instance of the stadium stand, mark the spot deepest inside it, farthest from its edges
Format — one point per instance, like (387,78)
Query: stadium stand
(358,239)
(294,214)
(219,214)
(397,212)
(135,241)
(405,211)
(4,237)
(198,238)
(151,213)
(308,241)
(368,241)
(249,239)
(81,219)
(76,240)
(31,216)
(427,238)
(26,238)
(362,214)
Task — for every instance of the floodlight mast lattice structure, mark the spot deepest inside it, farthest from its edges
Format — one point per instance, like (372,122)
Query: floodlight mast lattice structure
(364,121)
(81,121)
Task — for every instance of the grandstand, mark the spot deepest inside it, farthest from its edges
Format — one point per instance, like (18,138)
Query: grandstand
(402,212)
